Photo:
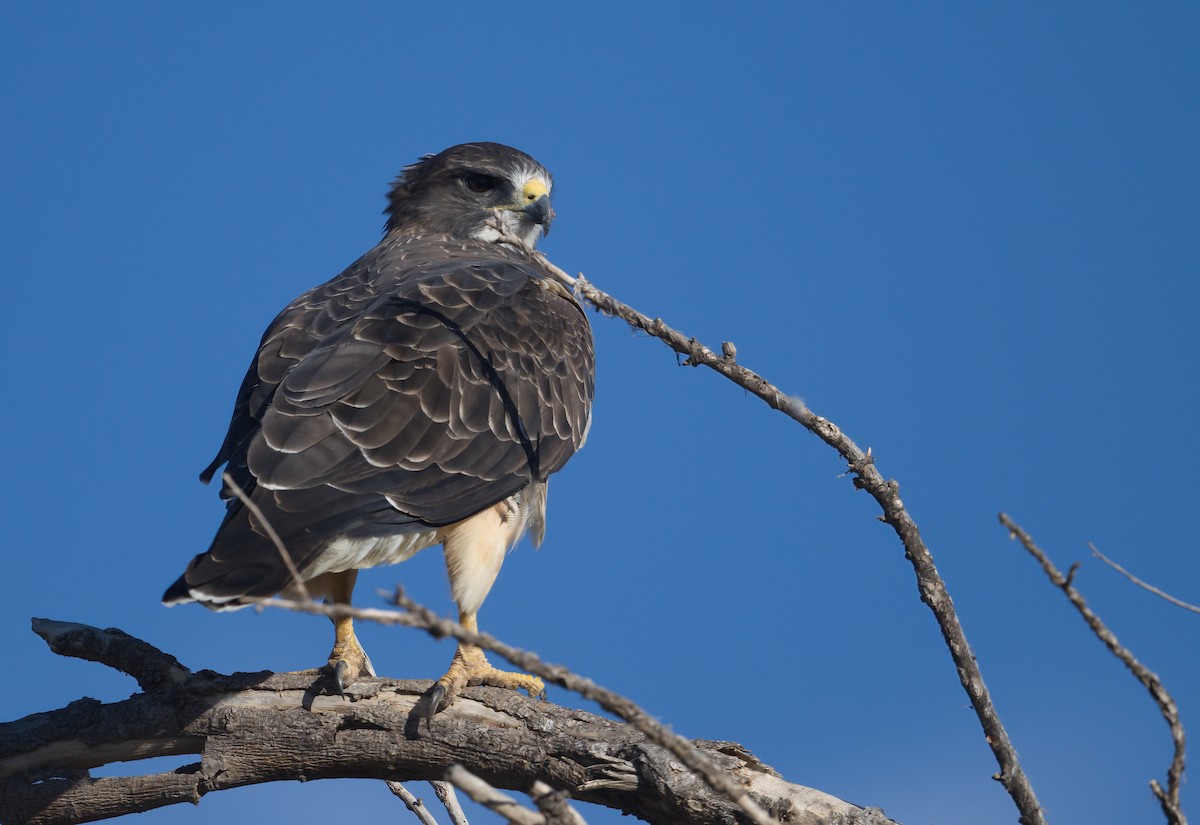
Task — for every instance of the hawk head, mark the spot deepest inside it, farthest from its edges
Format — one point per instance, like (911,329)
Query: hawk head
(466,190)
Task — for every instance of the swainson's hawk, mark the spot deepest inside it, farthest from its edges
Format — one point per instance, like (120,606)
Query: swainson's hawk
(421,397)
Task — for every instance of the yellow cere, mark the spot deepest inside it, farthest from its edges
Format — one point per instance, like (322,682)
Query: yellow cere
(534,189)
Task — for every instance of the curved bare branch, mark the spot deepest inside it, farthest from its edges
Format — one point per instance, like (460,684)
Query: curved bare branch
(885,491)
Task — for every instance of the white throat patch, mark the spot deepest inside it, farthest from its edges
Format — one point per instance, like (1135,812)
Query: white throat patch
(508,224)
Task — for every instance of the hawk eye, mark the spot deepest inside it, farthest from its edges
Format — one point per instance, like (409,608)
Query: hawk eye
(480,183)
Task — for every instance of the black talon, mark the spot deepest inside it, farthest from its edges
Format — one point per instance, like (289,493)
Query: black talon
(339,676)
(436,694)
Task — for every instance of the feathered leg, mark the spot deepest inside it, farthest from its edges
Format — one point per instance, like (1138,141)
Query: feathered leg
(475,549)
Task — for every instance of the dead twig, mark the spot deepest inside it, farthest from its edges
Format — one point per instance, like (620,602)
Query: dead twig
(1160,593)
(153,669)
(490,798)
(445,793)
(1169,799)
(411,802)
(271,534)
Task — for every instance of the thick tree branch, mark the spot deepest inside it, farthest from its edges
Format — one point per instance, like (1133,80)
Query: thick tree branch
(421,617)
(1169,799)
(153,669)
(885,491)
(260,727)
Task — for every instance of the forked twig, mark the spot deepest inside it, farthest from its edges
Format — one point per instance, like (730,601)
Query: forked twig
(1169,799)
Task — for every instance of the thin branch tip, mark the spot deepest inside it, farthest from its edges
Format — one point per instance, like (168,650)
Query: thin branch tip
(1168,800)
(1162,594)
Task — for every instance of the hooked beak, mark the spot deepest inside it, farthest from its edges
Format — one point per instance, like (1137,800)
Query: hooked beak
(536,199)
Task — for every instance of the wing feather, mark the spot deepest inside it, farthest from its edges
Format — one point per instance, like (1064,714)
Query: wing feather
(427,382)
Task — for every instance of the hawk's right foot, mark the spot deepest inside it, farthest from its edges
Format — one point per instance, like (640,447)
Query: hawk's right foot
(348,663)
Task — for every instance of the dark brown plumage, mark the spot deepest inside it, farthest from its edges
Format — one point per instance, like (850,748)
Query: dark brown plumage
(444,374)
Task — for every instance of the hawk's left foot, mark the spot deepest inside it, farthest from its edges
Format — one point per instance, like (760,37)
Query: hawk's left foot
(348,662)
(470,667)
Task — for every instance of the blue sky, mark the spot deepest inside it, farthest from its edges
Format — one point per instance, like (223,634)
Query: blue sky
(966,233)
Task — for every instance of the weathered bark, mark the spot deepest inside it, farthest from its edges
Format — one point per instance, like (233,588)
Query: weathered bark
(262,727)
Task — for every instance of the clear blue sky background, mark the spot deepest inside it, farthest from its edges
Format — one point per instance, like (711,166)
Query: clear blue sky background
(968,234)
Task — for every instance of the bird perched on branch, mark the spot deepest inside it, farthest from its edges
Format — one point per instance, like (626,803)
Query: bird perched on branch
(422,397)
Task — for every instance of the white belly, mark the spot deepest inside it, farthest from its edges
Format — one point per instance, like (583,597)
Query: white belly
(354,554)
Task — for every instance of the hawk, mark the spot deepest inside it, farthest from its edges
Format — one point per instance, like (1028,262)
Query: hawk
(422,397)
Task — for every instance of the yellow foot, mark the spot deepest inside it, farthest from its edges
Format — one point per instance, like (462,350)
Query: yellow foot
(470,667)
(348,663)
